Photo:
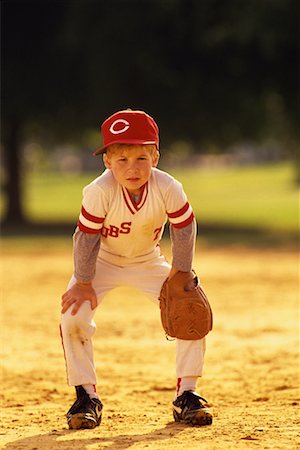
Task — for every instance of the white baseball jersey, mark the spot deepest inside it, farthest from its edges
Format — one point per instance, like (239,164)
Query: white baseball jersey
(129,256)
(130,231)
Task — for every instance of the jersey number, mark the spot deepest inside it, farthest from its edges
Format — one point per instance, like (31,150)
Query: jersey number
(156,233)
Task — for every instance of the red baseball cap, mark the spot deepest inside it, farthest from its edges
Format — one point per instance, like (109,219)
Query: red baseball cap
(128,127)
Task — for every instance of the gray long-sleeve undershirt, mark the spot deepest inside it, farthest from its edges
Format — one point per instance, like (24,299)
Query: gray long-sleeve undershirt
(86,248)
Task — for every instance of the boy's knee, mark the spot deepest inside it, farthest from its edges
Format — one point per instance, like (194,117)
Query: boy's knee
(79,322)
(69,322)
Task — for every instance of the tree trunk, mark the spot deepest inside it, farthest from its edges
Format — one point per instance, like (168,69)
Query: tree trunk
(14,214)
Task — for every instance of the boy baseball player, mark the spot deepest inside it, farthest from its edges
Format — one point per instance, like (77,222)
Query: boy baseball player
(116,243)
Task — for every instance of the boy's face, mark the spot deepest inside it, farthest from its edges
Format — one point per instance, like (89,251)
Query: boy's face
(131,165)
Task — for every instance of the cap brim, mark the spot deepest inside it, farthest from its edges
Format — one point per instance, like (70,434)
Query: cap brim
(129,142)
(99,151)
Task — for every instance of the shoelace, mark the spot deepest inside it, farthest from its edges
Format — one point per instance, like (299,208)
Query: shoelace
(192,399)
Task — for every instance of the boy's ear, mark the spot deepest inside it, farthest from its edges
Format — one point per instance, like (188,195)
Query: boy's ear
(155,159)
(106,161)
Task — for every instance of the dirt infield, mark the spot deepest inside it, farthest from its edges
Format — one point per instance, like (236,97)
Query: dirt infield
(251,367)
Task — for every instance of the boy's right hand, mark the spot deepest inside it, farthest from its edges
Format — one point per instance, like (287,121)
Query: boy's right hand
(78,294)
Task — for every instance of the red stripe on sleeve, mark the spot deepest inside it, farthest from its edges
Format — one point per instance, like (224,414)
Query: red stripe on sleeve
(179,212)
(90,217)
(87,229)
(185,223)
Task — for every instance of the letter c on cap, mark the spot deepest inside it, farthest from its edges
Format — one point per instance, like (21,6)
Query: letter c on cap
(122,130)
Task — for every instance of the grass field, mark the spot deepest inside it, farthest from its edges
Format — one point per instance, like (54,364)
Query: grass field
(263,197)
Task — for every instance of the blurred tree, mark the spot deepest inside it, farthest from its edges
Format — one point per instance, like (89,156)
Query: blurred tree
(210,72)
(30,89)
(205,69)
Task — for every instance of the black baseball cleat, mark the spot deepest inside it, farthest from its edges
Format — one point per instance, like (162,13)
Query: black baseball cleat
(188,408)
(85,412)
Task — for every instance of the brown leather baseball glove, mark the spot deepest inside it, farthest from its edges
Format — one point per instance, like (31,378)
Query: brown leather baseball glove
(184,307)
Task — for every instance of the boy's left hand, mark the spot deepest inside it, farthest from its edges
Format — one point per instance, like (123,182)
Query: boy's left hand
(173,272)
(189,287)
(78,294)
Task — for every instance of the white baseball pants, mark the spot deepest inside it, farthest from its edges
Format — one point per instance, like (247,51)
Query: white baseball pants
(77,331)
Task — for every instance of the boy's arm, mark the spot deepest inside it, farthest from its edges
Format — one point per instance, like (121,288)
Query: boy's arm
(183,247)
(86,248)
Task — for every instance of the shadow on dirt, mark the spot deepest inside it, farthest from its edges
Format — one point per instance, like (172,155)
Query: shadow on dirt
(66,439)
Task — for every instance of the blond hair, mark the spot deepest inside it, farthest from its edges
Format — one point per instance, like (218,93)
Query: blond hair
(116,148)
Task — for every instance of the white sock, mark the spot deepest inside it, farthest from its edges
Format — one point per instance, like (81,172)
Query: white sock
(186,384)
(91,390)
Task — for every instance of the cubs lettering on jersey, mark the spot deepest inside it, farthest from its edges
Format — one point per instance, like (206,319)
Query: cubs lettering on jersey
(128,228)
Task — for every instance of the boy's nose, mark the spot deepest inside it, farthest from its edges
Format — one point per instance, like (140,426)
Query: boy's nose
(132,165)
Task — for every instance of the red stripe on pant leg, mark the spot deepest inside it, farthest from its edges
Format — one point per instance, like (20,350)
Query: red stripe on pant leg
(178,385)
(62,343)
